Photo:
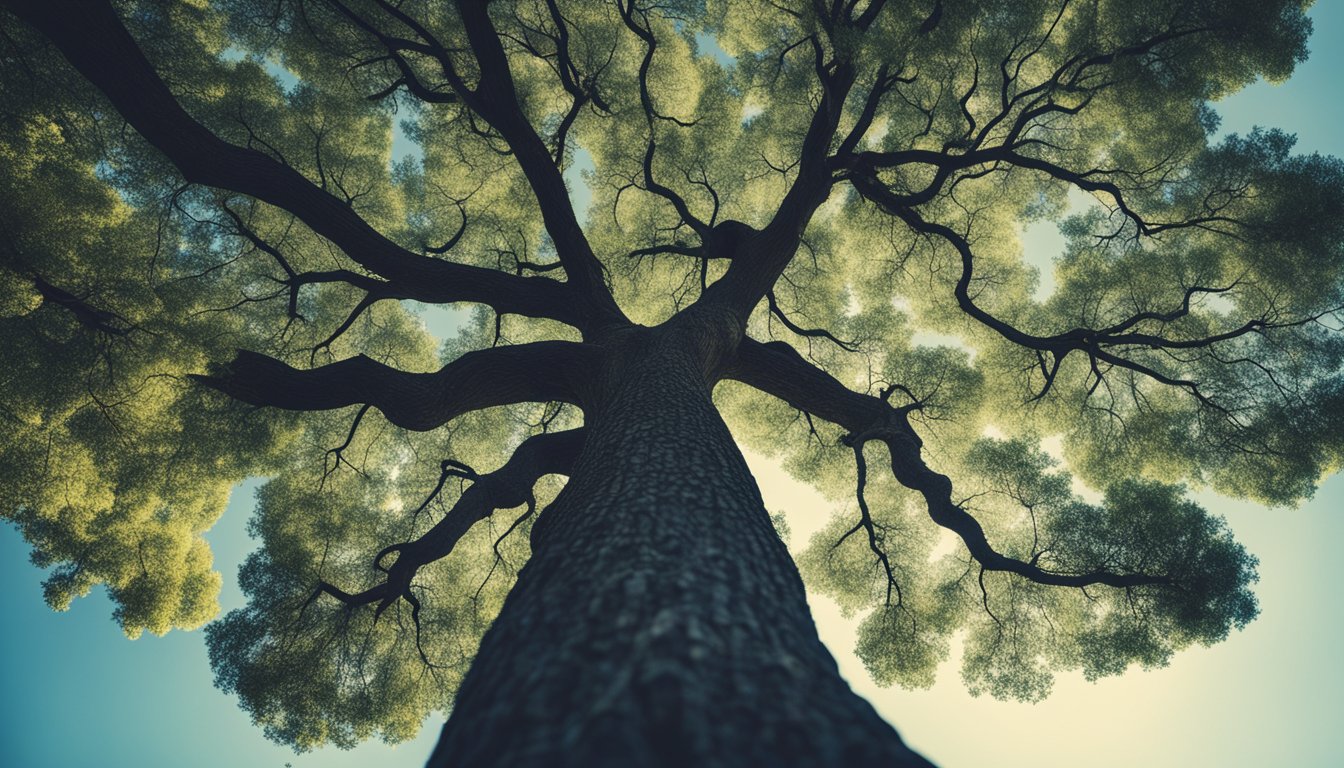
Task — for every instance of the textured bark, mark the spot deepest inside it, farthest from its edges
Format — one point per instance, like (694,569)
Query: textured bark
(660,621)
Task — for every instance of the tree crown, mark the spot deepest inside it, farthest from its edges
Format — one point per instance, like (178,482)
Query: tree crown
(843,182)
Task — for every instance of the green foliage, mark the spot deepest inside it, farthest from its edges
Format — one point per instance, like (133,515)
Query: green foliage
(98,469)
(310,669)
(1016,633)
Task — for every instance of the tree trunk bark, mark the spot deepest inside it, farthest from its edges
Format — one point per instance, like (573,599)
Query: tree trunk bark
(660,620)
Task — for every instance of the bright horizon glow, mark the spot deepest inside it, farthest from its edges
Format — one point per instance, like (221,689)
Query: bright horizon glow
(79,694)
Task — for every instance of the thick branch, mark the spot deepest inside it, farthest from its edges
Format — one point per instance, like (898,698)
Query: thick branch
(754,272)
(93,39)
(778,370)
(538,372)
(496,99)
(509,486)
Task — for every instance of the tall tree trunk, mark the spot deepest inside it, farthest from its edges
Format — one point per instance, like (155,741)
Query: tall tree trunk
(660,620)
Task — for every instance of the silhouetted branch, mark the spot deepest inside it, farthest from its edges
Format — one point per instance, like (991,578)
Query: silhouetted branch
(100,320)
(762,257)
(812,333)
(637,21)
(1104,345)
(496,99)
(537,372)
(866,523)
(778,370)
(93,39)
(507,487)
(338,453)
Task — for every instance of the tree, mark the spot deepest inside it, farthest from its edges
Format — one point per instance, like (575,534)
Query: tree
(764,241)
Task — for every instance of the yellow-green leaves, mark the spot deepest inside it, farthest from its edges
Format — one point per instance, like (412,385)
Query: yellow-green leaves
(1018,633)
(312,670)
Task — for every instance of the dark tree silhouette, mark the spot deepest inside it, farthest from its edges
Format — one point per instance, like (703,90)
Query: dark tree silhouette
(766,235)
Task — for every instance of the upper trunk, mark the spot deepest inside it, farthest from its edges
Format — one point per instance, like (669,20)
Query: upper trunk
(660,620)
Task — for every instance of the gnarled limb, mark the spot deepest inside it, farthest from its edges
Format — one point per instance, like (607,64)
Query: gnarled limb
(95,42)
(768,252)
(538,372)
(779,370)
(810,333)
(644,31)
(495,98)
(549,453)
(1104,345)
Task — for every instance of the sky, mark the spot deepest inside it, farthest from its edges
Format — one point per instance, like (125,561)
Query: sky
(77,693)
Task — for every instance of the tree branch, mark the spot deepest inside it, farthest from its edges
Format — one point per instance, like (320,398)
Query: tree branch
(100,320)
(778,370)
(509,486)
(538,372)
(1099,345)
(95,42)
(755,269)
(811,333)
(496,99)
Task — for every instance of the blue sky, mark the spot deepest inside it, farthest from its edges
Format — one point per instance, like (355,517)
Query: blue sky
(77,693)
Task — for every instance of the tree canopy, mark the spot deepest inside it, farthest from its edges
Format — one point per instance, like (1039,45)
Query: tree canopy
(209,258)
